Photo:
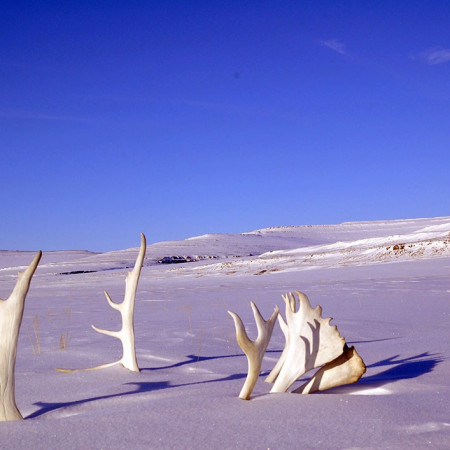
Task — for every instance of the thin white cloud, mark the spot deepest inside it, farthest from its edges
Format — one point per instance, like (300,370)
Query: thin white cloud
(436,56)
(32,115)
(335,45)
(247,110)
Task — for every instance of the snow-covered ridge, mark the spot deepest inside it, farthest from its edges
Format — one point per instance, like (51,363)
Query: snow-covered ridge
(429,242)
(389,298)
(17,260)
(268,250)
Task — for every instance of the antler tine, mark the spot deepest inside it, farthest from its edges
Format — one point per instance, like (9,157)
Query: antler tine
(113,305)
(115,334)
(132,279)
(289,299)
(141,255)
(275,314)
(33,265)
(260,322)
(24,278)
(241,335)
(262,325)
(303,300)
(293,302)
(254,350)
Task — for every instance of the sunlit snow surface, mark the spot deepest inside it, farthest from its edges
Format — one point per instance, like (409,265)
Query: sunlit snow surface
(386,284)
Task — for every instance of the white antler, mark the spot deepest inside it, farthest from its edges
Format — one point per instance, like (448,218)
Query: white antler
(311,342)
(276,370)
(126,309)
(254,350)
(11,313)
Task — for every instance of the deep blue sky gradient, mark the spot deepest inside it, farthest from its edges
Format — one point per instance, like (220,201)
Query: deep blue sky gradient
(180,118)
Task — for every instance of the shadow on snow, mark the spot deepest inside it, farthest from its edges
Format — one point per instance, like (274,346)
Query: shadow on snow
(145,386)
(401,369)
(406,368)
(194,359)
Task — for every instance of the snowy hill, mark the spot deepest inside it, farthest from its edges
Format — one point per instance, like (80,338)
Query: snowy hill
(386,284)
(277,248)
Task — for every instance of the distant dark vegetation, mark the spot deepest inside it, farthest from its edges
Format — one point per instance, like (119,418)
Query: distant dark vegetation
(76,272)
(183,259)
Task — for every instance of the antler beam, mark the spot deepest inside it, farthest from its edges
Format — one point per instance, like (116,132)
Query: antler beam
(11,313)
(254,350)
(126,309)
(312,341)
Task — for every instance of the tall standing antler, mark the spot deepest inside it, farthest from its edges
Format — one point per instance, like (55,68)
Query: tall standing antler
(126,309)
(254,350)
(11,313)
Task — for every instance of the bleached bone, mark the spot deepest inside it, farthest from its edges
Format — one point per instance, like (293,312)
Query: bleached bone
(254,350)
(276,370)
(312,341)
(347,368)
(126,309)
(11,313)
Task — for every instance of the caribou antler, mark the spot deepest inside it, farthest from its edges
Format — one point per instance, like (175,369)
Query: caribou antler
(254,350)
(11,313)
(311,341)
(276,370)
(126,309)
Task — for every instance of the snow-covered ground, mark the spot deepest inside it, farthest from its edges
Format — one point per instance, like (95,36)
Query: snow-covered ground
(386,284)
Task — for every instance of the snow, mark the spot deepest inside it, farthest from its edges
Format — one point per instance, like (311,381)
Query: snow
(391,303)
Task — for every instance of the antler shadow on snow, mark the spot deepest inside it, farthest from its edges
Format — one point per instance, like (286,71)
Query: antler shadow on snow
(141,387)
(148,386)
(194,359)
(402,369)
(406,368)
(369,341)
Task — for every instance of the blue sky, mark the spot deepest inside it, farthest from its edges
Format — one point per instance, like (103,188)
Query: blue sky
(180,118)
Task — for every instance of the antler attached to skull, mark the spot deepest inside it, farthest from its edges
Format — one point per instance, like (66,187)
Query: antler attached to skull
(311,342)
